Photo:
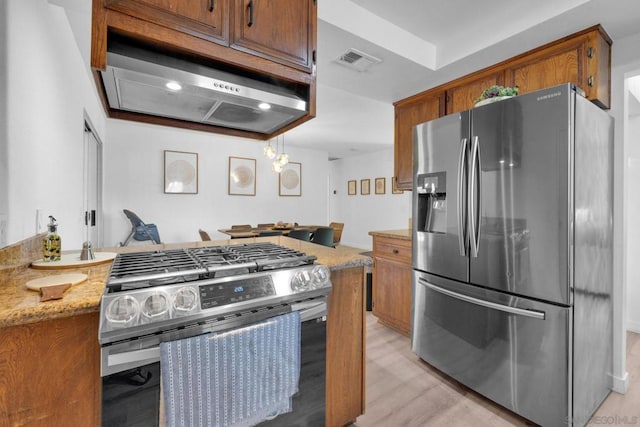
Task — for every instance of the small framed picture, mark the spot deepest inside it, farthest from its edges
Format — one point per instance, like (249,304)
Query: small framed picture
(381,184)
(290,179)
(351,187)
(180,172)
(242,176)
(365,185)
(394,186)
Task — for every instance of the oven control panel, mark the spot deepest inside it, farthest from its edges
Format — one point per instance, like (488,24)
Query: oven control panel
(215,295)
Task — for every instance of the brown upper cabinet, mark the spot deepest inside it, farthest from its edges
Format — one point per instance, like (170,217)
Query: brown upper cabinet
(583,58)
(273,40)
(407,115)
(279,30)
(208,19)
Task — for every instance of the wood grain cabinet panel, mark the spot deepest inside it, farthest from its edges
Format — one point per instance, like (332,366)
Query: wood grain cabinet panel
(407,115)
(462,97)
(280,30)
(50,373)
(392,282)
(345,348)
(208,19)
(582,58)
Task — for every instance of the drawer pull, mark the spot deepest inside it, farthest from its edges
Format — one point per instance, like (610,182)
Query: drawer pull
(396,252)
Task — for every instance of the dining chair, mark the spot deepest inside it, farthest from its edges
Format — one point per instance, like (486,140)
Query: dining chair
(204,235)
(241,227)
(337,231)
(300,234)
(323,236)
(267,225)
(262,233)
(139,230)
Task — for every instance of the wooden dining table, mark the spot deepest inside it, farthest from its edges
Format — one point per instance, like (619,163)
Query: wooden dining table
(235,233)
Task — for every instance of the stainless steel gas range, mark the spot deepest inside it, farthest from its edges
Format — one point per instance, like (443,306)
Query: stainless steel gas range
(167,295)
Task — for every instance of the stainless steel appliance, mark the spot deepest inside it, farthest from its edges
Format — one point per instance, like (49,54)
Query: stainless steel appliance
(512,252)
(165,295)
(140,79)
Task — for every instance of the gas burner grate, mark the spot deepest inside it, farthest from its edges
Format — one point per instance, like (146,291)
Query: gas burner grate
(147,269)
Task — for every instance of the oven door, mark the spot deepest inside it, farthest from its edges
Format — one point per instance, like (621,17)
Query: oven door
(131,393)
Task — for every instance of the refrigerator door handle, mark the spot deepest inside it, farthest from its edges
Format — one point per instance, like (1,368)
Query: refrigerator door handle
(462,168)
(473,204)
(500,307)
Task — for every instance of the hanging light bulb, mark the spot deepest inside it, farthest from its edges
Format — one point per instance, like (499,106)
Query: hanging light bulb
(276,167)
(283,158)
(269,151)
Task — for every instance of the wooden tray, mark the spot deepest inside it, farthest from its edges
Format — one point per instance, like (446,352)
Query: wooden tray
(54,280)
(73,260)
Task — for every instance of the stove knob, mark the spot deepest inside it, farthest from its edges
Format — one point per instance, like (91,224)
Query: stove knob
(122,312)
(320,275)
(155,307)
(185,300)
(302,281)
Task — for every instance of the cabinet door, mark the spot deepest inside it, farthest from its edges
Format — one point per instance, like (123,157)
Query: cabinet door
(407,115)
(463,96)
(563,65)
(208,19)
(392,293)
(279,30)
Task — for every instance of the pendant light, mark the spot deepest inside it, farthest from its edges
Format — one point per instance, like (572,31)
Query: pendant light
(269,151)
(283,158)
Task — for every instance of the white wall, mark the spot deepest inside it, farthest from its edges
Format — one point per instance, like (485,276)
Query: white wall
(133,167)
(48,93)
(4,146)
(625,63)
(362,214)
(633,226)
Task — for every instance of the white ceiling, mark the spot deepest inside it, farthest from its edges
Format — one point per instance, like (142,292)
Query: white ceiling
(422,43)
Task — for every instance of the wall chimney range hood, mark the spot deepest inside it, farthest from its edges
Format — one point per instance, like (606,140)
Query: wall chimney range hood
(143,80)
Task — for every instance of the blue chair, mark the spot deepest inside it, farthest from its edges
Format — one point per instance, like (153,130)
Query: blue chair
(300,234)
(323,236)
(140,231)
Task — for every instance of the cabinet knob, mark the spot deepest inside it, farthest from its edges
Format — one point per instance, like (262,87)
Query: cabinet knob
(396,252)
(590,81)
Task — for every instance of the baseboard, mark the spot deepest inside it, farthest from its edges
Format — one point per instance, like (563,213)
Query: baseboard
(621,384)
(633,327)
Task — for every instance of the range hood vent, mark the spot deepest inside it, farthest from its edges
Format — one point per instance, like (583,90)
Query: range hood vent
(136,81)
(357,60)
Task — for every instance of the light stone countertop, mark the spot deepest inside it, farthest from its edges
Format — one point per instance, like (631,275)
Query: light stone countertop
(402,234)
(19,305)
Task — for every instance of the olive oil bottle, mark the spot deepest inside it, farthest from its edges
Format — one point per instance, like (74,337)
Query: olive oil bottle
(52,243)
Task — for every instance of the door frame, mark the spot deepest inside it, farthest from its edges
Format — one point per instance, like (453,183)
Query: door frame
(89,128)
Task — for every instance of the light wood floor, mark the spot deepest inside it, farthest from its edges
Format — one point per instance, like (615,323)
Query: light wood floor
(402,390)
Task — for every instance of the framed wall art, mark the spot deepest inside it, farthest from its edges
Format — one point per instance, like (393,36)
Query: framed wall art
(290,179)
(381,184)
(180,172)
(351,187)
(242,176)
(394,186)
(365,185)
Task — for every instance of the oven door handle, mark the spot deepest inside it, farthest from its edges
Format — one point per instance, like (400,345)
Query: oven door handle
(148,354)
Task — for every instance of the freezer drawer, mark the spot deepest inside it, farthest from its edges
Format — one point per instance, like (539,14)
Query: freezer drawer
(512,350)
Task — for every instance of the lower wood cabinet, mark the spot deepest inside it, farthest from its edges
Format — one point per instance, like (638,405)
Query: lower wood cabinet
(391,302)
(50,373)
(345,348)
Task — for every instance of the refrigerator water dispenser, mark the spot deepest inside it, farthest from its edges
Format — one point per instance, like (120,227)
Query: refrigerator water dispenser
(432,202)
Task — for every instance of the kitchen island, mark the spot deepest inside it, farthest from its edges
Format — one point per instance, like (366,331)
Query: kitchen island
(50,355)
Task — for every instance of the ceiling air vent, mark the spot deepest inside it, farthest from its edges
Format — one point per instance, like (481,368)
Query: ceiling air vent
(357,60)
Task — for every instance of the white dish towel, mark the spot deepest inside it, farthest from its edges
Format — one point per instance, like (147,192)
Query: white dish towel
(235,378)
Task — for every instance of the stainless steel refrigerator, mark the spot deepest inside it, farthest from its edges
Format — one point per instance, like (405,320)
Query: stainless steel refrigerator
(512,252)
